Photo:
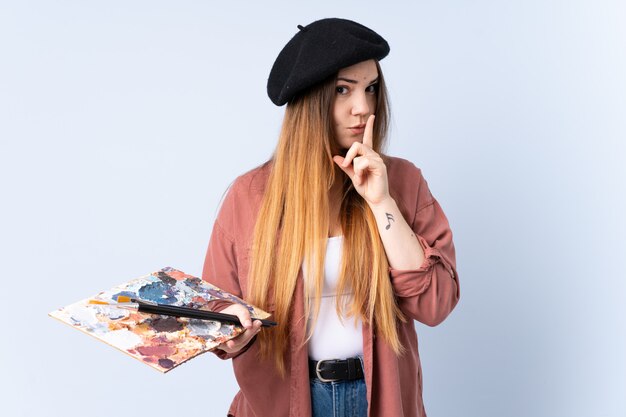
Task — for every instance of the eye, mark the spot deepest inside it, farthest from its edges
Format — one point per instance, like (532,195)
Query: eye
(372,88)
(341,89)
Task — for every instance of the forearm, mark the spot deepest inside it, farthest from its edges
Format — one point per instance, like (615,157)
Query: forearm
(403,250)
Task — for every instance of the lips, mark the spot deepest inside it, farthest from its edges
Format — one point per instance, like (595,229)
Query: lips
(357,130)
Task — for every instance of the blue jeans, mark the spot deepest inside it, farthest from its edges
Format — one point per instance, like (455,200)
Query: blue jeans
(338,399)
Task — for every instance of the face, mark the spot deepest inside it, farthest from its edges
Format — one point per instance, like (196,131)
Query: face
(355,100)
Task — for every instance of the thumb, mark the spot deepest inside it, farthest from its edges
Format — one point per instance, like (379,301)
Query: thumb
(244,318)
(349,170)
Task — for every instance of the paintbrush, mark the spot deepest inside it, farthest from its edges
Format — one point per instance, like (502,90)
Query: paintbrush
(175,311)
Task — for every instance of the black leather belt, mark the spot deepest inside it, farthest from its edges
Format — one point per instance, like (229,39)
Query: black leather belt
(336,369)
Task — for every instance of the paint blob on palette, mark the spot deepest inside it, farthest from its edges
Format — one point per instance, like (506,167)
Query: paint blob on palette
(162,342)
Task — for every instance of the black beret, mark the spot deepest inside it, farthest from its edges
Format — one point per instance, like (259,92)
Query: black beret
(318,51)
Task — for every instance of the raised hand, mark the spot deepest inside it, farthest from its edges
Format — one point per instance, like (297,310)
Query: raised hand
(365,167)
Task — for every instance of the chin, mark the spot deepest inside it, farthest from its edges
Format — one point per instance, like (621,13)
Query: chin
(345,144)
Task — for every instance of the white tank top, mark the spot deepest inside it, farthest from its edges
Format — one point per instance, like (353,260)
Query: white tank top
(333,338)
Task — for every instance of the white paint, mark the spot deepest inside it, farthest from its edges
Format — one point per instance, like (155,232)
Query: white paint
(122,339)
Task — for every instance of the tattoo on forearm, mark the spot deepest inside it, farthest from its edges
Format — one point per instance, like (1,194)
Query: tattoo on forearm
(389,220)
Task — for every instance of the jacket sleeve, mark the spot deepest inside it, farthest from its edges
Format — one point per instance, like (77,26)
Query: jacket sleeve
(428,294)
(220,264)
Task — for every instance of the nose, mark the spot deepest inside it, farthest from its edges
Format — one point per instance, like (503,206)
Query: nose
(360,106)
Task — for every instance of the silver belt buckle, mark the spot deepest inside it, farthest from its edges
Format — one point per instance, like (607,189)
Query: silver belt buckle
(319,376)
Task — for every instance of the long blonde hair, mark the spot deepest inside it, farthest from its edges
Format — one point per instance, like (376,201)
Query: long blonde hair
(293,223)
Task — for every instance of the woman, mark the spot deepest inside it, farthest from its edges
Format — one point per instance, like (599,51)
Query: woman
(343,245)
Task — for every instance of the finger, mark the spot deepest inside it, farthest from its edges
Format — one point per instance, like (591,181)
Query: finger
(244,317)
(355,149)
(347,169)
(359,165)
(241,313)
(236,344)
(244,338)
(364,166)
(368,163)
(368,134)
(249,333)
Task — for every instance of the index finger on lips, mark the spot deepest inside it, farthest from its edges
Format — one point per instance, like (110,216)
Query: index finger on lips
(368,134)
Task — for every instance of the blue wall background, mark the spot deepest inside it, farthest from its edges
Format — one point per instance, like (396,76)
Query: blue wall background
(122,123)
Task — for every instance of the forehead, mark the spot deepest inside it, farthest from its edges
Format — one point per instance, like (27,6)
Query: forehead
(363,71)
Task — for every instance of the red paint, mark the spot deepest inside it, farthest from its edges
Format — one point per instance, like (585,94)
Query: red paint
(160,351)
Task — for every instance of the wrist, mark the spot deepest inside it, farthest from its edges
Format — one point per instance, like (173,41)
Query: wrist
(384,204)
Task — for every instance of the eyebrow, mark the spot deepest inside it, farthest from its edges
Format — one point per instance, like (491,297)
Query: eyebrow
(348,80)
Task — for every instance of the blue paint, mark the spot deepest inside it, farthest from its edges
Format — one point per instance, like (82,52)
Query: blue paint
(158,292)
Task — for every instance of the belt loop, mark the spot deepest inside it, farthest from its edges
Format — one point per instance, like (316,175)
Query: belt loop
(351,369)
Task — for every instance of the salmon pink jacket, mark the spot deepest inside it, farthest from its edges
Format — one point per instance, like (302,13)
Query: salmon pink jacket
(427,294)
